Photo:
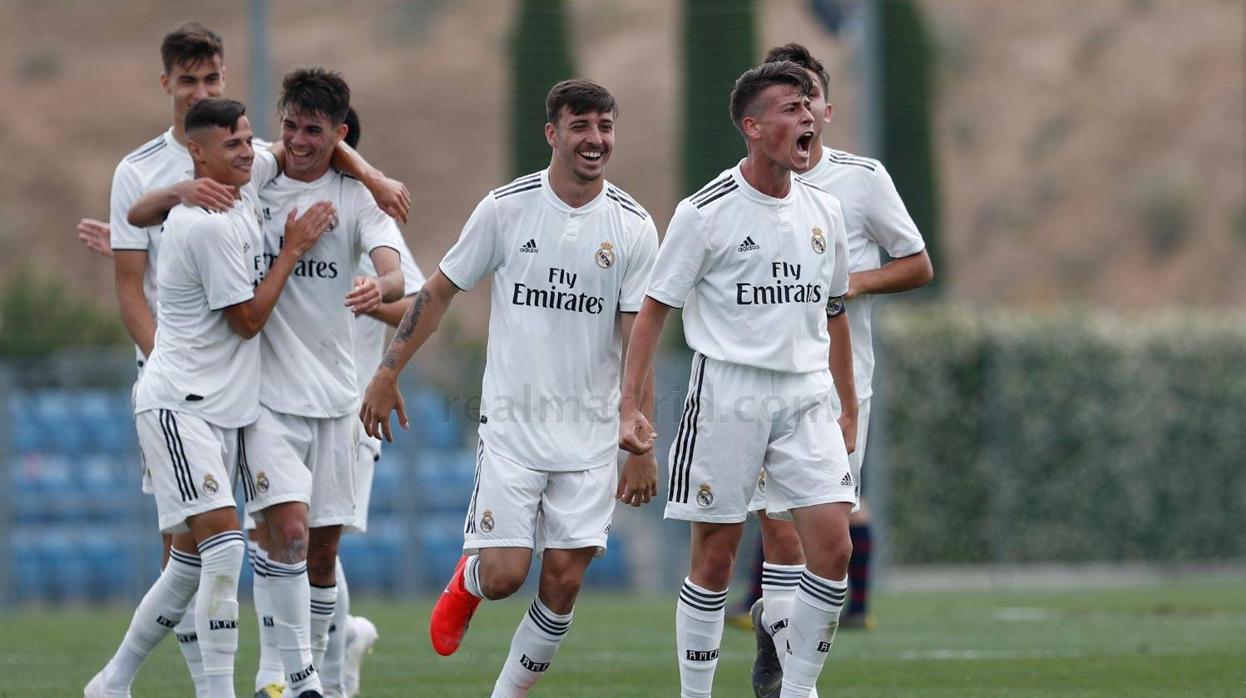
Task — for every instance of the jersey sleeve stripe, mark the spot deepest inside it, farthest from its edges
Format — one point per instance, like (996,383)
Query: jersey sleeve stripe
(809,184)
(711,185)
(848,160)
(719,195)
(529,179)
(623,204)
(146,147)
(145,155)
(697,198)
(529,187)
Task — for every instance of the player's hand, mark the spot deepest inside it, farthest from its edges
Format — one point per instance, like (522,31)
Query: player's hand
(848,426)
(638,483)
(636,435)
(365,296)
(854,287)
(95,235)
(303,233)
(391,196)
(381,398)
(207,193)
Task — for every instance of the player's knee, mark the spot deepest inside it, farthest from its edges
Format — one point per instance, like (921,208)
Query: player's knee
(500,582)
(781,544)
(712,568)
(563,585)
(832,557)
(321,562)
(288,540)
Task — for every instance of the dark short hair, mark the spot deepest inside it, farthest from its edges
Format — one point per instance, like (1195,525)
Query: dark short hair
(218,112)
(580,97)
(801,56)
(754,81)
(315,91)
(352,128)
(190,45)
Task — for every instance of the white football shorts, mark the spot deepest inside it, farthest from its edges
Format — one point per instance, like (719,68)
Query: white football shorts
(740,419)
(514,506)
(192,465)
(287,458)
(367,453)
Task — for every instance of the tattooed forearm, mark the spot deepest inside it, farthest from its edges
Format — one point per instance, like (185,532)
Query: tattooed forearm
(390,360)
(412,317)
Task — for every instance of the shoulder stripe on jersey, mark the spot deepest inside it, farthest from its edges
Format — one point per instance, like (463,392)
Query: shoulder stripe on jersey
(711,185)
(686,438)
(529,179)
(625,196)
(149,145)
(852,161)
(841,155)
(809,184)
(529,187)
(625,205)
(147,153)
(698,198)
(709,200)
(471,508)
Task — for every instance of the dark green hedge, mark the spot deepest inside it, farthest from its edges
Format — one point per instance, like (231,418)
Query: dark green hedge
(1013,438)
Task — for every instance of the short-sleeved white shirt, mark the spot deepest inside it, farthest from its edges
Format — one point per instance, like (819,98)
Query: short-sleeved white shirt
(210,261)
(876,219)
(560,277)
(753,273)
(370,332)
(160,162)
(308,342)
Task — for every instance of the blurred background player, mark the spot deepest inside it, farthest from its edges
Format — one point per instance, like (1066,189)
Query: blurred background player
(758,260)
(875,219)
(200,388)
(570,255)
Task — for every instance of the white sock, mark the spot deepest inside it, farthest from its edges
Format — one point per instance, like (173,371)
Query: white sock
(159,611)
(323,606)
(289,596)
(533,647)
(331,673)
(216,609)
(778,593)
(188,643)
(270,670)
(815,616)
(471,576)
(699,619)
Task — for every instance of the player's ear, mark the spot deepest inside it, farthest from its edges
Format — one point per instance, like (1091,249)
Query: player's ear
(342,129)
(164,84)
(829,109)
(751,127)
(549,134)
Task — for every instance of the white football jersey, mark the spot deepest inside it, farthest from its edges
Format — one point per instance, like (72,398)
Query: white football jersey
(561,275)
(753,273)
(158,163)
(210,261)
(308,343)
(875,219)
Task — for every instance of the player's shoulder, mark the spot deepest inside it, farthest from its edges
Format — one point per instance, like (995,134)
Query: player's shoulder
(843,160)
(723,188)
(146,151)
(185,217)
(630,209)
(519,190)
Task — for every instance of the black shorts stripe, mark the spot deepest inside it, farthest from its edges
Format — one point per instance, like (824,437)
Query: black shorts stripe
(674,487)
(711,199)
(688,447)
(470,526)
(712,185)
(181,449)
(170,441)
(244,470)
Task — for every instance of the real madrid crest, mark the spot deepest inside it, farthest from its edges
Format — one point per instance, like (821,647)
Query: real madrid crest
(604,255)
(486,521)
(705,496)
(209,484)
(818,240)
(261,483)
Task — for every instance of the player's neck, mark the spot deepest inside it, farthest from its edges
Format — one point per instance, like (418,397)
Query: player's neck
(572,190)
(815,153)
(179,133)
(766,175)
(308,175)
(200,173)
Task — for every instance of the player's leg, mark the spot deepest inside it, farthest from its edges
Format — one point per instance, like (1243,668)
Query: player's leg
(270,679)
(331,672)
(820,596)
(501,527)
(222,548)
(331,458)
(354,636)
(860,529)
(322,575)
(783,563)
(700,612)
(184,632)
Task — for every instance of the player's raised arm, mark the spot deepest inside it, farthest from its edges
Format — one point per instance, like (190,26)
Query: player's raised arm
(390,194)
(154,206)
(418,324)
(301,234)
(888,223)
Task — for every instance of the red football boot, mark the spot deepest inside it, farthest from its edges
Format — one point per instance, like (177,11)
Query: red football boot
(453,612)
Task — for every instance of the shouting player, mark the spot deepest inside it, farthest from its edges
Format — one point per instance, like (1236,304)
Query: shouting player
(758,261)
(570,255)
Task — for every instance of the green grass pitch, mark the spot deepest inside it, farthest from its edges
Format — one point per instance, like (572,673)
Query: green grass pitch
(1187,639)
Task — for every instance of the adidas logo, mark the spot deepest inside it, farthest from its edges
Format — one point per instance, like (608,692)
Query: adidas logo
(748,245)
(847,481)
(529,246)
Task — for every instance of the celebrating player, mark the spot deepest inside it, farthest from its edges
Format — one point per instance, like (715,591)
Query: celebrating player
(875,218)
(758,261)
(570,254)
(200,387)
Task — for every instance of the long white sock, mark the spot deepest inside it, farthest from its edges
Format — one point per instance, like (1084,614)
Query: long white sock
(323,606)
(778,592)
(270,670)
(331,673)
(289,596)
(471,576)
(216,609)
(699,619)
(533,647)
(188,643)
(161,608)
(815,616)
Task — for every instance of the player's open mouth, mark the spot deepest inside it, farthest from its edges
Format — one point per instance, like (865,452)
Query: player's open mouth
(803,142)
(591,155)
